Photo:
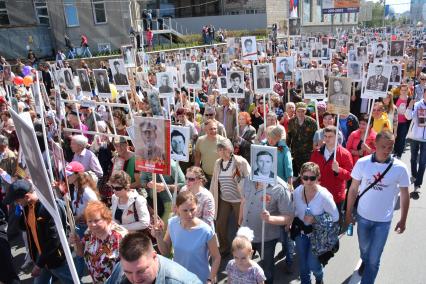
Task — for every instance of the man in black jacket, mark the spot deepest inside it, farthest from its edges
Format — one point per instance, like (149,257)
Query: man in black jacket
(43,240)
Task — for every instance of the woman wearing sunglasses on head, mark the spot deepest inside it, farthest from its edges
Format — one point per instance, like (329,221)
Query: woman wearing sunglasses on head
(195,180)
(129,208)
(311,202)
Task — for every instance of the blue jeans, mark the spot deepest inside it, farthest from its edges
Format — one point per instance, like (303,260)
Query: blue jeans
(62,273)
(401,135)
(307,260)
(85,52)
(268,263)
(372,238)
(288,246)
(71,53)
(80,264)
(418,172)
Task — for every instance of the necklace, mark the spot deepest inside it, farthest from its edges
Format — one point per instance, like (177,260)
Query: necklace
(227,166)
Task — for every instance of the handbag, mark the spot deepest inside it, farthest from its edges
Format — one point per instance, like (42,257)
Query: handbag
(381,176)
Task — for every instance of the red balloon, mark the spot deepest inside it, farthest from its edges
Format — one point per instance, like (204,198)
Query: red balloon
(18,80)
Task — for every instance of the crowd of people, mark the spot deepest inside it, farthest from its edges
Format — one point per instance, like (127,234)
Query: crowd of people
(131,226)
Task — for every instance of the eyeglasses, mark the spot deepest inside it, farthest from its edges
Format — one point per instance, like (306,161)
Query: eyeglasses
(209,114)
(117,188)
(311,178)
(190,178)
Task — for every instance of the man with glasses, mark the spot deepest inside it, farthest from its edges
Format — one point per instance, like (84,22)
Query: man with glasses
(301,130)
(335,166)
(210,114)
(140,263)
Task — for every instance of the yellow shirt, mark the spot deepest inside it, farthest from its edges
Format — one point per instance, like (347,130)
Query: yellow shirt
(382,123)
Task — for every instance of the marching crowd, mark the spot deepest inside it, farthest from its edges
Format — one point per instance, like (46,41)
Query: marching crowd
(324,186)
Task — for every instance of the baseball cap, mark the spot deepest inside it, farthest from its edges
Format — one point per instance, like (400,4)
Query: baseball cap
(17,190)
(74,167)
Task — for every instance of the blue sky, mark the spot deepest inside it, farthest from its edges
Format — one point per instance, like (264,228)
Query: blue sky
(399,6)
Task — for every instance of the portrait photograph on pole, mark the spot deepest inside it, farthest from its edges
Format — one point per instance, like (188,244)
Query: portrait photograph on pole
(152,145)
(235,84)
(264,164)
(263,78)
(179,141)
(119,74)
(339,95)
(313,83)
(102,83)
(84,81)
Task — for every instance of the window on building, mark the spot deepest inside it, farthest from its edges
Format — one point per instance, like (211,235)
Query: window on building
(307,11)
(99,11)
(4,18)
(355,17)
(71,13)
(41,12)
(251,11)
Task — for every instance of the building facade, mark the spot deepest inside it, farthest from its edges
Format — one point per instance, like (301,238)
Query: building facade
(418,11)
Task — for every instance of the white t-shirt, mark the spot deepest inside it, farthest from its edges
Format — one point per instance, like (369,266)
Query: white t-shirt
(378,203)
(88,195)
(322,202)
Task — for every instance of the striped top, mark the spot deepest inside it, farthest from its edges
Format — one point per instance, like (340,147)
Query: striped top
(227,184)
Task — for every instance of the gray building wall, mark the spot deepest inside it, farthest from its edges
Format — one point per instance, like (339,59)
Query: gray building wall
(229,22)
(417,11)
(115,31)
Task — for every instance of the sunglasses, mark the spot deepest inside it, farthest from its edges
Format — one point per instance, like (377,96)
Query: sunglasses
(117,188)
(209,114)
(311,178)
(190,178)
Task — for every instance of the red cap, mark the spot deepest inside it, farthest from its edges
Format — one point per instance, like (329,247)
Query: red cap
(74,167)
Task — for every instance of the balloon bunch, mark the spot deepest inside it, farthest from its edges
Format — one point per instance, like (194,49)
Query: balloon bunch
(27,80)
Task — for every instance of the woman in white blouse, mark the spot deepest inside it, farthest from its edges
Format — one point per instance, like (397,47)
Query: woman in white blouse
(310,199)
(129,208)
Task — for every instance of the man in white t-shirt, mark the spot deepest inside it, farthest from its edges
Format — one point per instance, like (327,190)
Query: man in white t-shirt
(376,206)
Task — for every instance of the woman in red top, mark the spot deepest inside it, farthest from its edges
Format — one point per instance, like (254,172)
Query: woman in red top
(355,145)
(149,38)
(403,124)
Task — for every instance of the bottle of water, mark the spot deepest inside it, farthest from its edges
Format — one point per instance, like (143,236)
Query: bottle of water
(350,230)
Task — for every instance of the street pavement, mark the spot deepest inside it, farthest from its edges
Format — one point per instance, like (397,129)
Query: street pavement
(402,261)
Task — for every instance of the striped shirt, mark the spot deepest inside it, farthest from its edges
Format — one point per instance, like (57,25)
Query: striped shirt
(227,185)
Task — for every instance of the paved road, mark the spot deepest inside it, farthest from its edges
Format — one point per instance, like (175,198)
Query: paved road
(402,261)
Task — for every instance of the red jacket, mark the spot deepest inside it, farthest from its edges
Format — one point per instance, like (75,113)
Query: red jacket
(334,182)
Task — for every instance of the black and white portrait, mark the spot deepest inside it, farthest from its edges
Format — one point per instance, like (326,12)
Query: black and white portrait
(312,41)
(313,83)
(128,56)
(397,48)
(179,142)
(285,68)
(395,75)
(361,54)
(263,78)
(223,86)
(377,80)
(67,79)
(325,55)
(324,41)
(355,71)
(380,52)
(101,78)
(332,43)
(154,103)
(263,164)
(350,46)
(352,55)
(249,48)
(119,73)
(84,80)
(339,95)
(235,84)
(193,75)
(231,47)
(294,27)
(165,84)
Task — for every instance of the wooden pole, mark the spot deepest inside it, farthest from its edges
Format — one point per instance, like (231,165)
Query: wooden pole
(154,197)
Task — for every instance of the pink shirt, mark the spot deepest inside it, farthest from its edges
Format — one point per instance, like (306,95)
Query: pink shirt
(401,106)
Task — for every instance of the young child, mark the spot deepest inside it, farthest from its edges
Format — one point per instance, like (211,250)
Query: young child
(242,269)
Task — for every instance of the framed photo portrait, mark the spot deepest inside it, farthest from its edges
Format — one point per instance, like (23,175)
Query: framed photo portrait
(313,83)
(355,71)
(119,74)
(339,95)
(165,84)
(332,43)
(179,141)
(223,85)
(235,84)
(249,48)
(377,81)
(263,78)
(152,147)
(285,68)
(155,103)
(192,73)
(361,54)
(67,79)
(395,77)
(102,83)
(294,27)
(397,48)
(84,81)
(380,52)
(263,162)
(128,56)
